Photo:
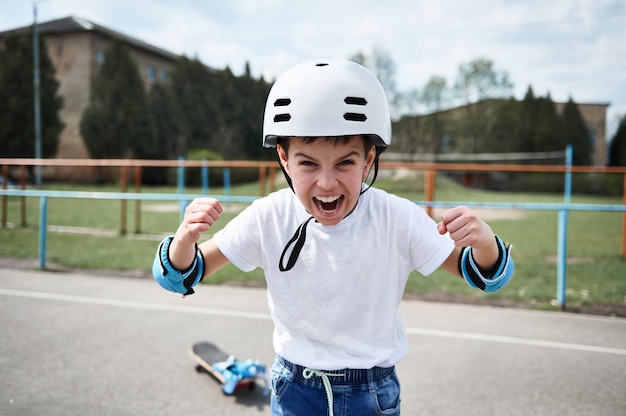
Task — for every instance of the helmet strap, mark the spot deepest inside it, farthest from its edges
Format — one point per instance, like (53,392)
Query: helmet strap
(297,241)
(287,177)
(379,150)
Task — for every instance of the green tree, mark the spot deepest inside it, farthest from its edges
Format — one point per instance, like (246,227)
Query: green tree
(533,123)
(528,122)
(434,94)
(574,131)
(17,130)
(242,105)
(382,65)
(478,80)
(434,97)
(540,127)
(117,121)
(194,91)
(228,137)
(477,83)
(505,135)
(617,150)
(166,117)
(547,126)
(218,110)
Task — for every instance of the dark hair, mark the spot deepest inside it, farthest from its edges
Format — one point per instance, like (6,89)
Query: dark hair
(284,141)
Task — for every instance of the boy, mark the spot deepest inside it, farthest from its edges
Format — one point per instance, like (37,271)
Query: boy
(336,253)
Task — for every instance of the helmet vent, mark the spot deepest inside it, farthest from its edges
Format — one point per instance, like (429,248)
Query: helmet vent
(355,117)
(355,101)
(282,102)
(282,117)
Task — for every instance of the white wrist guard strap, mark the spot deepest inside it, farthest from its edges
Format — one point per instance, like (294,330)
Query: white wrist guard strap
(494,280)
(172,279)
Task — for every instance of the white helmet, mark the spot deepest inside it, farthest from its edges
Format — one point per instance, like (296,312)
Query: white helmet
(327,98)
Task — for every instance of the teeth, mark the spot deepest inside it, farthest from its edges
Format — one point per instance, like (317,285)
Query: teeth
(327,199)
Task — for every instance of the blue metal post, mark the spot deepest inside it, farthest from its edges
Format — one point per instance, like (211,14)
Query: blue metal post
(43,230)
(181,186)
(227,182)
(561,271)
(204,172)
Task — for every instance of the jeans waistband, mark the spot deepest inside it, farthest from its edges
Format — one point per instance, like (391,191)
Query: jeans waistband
(345,376)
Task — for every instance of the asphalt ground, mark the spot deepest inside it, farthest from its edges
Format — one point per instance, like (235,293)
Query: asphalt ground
(77,344)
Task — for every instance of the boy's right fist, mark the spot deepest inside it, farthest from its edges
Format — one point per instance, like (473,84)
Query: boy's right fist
(200,215)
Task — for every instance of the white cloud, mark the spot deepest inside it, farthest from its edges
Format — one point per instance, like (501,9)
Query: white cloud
(565,47)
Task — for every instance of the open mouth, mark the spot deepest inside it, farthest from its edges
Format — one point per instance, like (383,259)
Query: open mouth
(328,204)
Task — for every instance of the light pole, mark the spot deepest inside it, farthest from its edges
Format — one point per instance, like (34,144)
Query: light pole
(36,103)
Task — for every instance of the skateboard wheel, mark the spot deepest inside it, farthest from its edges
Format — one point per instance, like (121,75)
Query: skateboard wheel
(250,385)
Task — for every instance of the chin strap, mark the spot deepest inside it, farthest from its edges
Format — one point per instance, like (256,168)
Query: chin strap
(298,238)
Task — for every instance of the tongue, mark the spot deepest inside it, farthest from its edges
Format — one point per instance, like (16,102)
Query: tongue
(328,206)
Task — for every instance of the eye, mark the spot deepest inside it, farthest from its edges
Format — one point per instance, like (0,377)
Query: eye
(306,163)
(347,162)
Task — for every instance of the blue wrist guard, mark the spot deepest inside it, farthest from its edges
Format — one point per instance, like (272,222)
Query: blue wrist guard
(494,280)
(172,279)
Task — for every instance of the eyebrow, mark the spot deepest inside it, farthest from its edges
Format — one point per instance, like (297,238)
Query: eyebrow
(346,156)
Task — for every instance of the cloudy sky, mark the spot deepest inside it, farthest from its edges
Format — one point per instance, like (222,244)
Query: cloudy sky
(568,48)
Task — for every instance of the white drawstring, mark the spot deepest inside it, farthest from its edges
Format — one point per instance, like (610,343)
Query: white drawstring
(308,373)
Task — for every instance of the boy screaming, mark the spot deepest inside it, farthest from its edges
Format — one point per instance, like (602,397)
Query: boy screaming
(335,251)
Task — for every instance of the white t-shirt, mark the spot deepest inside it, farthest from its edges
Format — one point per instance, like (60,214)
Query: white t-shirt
(338,307)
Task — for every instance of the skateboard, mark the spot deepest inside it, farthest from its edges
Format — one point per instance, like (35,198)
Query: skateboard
(231,373)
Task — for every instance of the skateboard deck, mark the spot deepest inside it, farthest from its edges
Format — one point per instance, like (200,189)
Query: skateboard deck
(231,373)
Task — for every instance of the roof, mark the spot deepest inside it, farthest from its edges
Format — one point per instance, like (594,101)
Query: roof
(74,24)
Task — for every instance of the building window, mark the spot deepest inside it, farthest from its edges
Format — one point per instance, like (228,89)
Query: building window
(592,136)
(100,57)
(150,75)
(447,143)
(163,75)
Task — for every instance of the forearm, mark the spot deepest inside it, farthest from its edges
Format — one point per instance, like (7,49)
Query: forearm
(486,254)
(200,215)
(487,279)
(181,253)
(480,257)
(179,263)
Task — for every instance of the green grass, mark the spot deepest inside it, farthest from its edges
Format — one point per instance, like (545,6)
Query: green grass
(596,269)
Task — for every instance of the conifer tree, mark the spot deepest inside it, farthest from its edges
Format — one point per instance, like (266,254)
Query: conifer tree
(547,126)
(505,135)
(617,151)
(117,121)
(528,125)
(574,131)
(194,92)
(17,127)
(166,117)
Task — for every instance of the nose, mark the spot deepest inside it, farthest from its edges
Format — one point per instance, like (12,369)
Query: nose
(326,179)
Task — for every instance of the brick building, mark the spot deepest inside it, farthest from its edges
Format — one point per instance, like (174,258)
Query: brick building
(441,137)
(76,48)
(594,116)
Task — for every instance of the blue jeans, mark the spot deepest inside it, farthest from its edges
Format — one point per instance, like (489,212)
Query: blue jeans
(298,391)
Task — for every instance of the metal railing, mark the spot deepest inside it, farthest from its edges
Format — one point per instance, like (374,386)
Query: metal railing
(430,169)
